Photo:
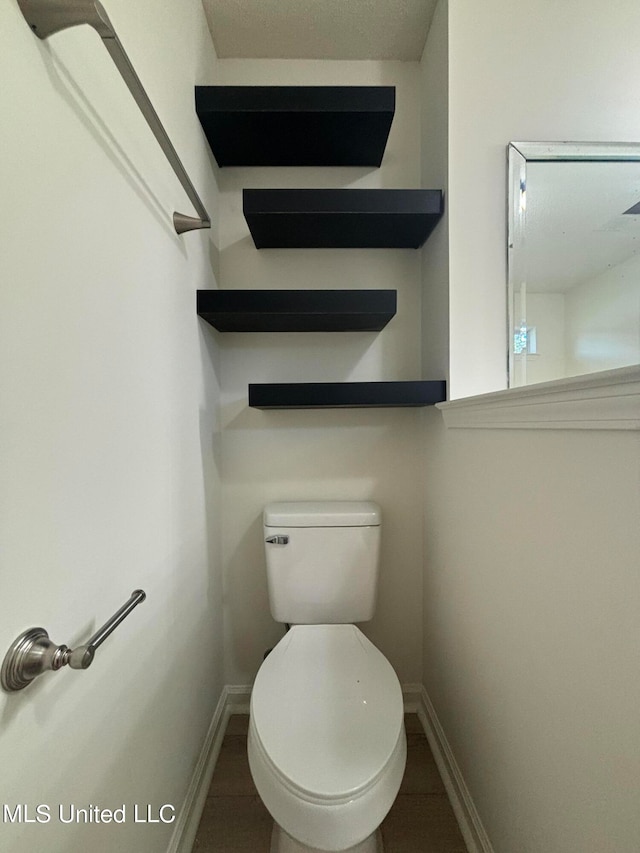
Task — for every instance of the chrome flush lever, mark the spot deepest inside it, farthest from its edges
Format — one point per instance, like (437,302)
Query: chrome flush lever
(277,540)
(33,653)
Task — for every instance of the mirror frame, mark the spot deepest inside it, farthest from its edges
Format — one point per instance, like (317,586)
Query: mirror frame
(518,155)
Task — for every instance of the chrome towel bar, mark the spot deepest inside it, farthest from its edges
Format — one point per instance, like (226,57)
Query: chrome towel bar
(33,653)
(46,17)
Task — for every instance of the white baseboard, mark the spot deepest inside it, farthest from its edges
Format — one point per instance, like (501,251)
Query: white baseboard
(235,700)
(471,827)
(412,697)
(238,698)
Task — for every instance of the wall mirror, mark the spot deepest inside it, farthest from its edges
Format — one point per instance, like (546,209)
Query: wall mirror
(573,259)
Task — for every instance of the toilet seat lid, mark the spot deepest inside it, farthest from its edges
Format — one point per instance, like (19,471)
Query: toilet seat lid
(327,708)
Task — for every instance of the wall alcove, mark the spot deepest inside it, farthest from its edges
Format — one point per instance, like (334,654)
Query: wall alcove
(316,126)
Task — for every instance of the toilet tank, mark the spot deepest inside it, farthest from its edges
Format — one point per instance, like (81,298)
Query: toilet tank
(322,560)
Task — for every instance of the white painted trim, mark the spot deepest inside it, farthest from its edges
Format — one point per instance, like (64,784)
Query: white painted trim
(411,697)
(233,700)
(606,401)
(238,698)
(471,827)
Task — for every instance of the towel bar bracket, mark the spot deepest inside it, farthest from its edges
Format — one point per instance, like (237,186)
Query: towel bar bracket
(47,17)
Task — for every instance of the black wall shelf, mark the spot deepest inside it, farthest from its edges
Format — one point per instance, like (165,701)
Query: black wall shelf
(341,395)
(341,219)
(297,310)
(296,125)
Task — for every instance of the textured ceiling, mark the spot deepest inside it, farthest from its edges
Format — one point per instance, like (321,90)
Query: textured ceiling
(576,228)
(319,29)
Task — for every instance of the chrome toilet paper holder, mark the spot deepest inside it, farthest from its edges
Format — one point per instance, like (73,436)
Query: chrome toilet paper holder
(33,652)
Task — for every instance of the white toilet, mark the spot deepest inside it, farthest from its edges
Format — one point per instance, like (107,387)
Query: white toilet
(327,746)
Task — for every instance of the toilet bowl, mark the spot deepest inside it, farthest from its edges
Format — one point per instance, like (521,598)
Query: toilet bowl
(326,744)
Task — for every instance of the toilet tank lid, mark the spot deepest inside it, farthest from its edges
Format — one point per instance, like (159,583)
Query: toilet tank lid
(322,514)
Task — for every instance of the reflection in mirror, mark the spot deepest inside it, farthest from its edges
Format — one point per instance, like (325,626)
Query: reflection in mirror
(574,259)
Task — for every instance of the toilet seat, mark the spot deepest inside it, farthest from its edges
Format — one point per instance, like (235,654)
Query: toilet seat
(327,746)
(329,690)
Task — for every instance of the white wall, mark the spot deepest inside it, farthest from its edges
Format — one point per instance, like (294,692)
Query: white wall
(434,97)
(343,454)
(109,468)
(534,71)
(531,537)
(531,631)
(603,330)
(545,312)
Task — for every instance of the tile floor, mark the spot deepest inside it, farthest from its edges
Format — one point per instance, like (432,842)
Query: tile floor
(235,821)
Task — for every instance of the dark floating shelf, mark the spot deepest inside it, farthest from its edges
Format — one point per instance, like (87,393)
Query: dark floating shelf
(341,219)
(296,125)
(297,310)
(346,395)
